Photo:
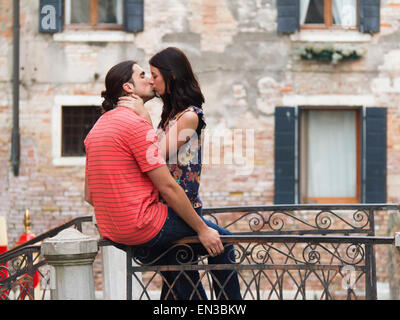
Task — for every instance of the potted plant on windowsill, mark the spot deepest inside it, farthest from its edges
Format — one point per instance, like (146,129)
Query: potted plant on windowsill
(332,53)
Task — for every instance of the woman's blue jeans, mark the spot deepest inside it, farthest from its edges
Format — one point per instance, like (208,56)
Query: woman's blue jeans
(188,285)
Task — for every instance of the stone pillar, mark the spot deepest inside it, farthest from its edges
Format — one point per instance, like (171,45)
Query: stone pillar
(71,254)
(394,256)
(395,269)
(115,275)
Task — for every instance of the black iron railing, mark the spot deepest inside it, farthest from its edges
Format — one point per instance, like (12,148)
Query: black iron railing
(22,268)
(281,252)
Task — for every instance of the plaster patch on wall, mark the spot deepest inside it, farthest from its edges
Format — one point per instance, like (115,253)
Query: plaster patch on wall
(386,84)
(214,21)
(166,17)
(391,62)
(267,85)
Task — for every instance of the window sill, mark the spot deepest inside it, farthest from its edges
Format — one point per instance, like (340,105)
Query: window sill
(93,36)
(69,162)
(330,36)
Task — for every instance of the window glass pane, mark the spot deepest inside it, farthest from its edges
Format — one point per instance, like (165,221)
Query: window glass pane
(76,124)
(80,11)
(312,12)
(344,12)
(330,152)
(110,11)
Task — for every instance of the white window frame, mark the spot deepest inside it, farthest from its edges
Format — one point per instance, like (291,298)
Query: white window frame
(56,126)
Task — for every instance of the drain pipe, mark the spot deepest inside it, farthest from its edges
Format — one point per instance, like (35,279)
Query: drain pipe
(15,142)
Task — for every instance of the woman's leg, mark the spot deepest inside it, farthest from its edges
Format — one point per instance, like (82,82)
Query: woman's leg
(189,283)
(178,285)
(226,281)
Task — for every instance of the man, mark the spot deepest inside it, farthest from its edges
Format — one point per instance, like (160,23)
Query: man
(125,173)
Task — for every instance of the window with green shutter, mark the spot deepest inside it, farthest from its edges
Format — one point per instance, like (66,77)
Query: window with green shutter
(295,15)
(310,144)
(55,15)
(94,14)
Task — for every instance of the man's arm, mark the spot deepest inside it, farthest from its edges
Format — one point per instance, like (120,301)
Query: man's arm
(88,198)
(176,198)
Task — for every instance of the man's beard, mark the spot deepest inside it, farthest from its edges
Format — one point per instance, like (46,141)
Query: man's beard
(151,95)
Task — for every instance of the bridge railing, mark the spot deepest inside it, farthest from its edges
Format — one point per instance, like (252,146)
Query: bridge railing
(280,252)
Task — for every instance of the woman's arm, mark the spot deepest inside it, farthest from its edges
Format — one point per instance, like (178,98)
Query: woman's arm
(175,136)
(178,134)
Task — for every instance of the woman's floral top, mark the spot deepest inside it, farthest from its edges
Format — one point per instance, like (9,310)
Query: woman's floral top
(185,166)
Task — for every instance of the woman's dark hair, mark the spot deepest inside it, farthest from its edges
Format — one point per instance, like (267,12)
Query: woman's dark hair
(116,77)
(181,86)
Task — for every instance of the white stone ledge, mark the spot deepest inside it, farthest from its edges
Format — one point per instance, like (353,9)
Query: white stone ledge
(333,100)
(93,36)
(69,161)
(330,36)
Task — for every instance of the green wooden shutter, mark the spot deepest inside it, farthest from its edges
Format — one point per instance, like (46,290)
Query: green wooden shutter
(288,16)
(51,16)
(285,162)
(375,155)
(369,16)
(133,15)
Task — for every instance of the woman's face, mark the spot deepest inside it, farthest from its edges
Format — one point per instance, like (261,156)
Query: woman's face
(158,81)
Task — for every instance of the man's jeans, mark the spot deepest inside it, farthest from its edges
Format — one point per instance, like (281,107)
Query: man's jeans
(176,285)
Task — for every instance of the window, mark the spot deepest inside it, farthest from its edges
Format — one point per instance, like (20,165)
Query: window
(297,15)
(124,15)
(328,13)
(77,121)
(72,118)
(328,155)
(330,162)
(106,14)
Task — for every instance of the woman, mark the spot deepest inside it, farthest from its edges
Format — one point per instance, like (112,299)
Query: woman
(180,133)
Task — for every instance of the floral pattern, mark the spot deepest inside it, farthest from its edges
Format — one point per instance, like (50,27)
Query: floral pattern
(186,167)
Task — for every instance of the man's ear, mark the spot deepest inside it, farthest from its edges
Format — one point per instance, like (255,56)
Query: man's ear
(128,87)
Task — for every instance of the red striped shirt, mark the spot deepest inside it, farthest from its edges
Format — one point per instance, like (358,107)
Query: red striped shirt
(120,149)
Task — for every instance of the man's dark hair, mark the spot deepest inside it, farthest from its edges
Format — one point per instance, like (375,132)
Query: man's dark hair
(116,77)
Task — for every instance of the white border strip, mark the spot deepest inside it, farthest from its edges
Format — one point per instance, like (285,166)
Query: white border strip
(333,100)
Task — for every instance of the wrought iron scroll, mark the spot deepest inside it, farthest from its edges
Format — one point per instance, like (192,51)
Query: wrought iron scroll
(299,220)
(269,268)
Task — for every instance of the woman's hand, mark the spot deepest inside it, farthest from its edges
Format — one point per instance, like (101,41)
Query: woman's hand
(135,103)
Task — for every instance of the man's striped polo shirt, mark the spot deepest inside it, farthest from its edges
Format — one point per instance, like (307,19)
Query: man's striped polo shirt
(120,149)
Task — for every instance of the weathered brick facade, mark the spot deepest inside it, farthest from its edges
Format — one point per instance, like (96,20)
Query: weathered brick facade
(245,68)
